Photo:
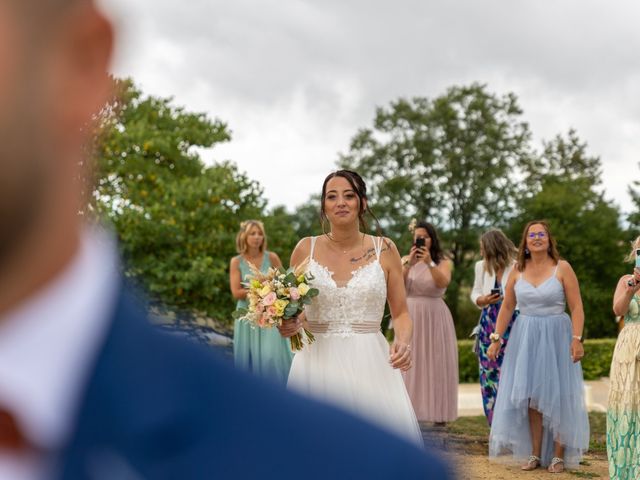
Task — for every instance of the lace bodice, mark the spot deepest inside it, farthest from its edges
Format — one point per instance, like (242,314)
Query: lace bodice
(545,299)
(356,307)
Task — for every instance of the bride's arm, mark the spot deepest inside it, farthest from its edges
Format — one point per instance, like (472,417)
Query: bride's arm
(290,327)
(396,296)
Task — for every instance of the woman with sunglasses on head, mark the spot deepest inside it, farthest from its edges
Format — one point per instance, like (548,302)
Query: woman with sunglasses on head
(540,414)
(623,406)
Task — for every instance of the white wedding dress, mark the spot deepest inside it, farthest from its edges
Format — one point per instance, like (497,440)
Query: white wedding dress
(348,364)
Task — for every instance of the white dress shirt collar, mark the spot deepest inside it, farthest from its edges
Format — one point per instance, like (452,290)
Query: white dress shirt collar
(49,344)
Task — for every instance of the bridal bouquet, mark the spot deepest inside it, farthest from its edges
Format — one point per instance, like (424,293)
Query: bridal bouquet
(278,295)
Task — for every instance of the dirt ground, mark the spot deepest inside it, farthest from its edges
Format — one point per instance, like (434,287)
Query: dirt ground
(465,444)
(478,467)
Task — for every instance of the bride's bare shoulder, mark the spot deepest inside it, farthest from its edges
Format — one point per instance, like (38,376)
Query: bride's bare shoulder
(301,251)
(388,246)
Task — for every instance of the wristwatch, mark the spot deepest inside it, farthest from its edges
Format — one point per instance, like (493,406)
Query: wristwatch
(495,337)
(578,337)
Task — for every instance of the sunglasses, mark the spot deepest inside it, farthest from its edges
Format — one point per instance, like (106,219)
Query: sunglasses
(533,235)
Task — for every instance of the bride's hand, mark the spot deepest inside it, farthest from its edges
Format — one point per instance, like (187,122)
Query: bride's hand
(290,327)
(400,356)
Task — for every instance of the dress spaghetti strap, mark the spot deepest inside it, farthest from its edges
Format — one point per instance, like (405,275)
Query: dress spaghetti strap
(377,245)
(313,246)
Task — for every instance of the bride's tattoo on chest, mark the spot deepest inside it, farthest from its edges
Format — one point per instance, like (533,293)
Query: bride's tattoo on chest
(368,255)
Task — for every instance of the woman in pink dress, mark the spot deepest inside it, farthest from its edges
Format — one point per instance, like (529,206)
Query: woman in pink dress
(432,383)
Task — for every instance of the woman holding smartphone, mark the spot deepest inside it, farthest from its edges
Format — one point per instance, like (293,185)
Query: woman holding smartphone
(491,273)
(432,383)
(623,410)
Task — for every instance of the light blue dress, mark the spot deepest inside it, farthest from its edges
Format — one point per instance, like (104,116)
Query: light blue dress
(537,371)
(259,350)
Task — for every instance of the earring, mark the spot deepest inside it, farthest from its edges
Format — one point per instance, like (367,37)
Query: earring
(526,251)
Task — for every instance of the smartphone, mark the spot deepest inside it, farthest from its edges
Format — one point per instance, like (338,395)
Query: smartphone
(495,291)
(420,242)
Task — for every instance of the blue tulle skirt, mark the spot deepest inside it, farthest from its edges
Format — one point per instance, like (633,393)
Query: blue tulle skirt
(537,372)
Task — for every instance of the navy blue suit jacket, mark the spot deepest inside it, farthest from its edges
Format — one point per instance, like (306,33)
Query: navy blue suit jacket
(161,408)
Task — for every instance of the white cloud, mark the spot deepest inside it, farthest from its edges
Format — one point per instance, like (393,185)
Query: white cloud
(295,79)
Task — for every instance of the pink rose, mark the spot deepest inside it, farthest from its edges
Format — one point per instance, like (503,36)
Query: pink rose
(270,299)
(271,311)
(294,294)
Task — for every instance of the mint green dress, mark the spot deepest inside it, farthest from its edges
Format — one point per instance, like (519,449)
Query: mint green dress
(260,350)
(623,411)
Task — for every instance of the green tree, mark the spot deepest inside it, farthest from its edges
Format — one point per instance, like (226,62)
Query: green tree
(280,227)
(564,188)
(450,160)
(634,216)
(176,219)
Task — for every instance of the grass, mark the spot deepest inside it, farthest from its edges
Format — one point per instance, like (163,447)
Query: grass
(475,429)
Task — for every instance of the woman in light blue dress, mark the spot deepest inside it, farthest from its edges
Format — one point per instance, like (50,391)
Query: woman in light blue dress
(540,415)
(258,350)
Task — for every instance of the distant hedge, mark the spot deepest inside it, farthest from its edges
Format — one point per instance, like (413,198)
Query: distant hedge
(595,364)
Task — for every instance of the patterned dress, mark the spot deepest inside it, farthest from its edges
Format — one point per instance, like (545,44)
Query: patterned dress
(490,369)
(623,412)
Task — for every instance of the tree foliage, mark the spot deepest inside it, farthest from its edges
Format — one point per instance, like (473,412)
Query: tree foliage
(565,189)
(176,219)
(449,160)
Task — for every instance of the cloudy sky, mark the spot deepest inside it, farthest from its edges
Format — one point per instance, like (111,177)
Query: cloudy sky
(295,79)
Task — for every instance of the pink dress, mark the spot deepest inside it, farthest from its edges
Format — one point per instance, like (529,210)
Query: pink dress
(432,382)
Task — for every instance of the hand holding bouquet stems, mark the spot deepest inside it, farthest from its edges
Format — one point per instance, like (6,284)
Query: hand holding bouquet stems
(279,296)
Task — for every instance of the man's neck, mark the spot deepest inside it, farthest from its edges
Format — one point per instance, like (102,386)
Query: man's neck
(38,259)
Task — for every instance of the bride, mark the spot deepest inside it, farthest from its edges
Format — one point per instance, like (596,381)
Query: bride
(350,364)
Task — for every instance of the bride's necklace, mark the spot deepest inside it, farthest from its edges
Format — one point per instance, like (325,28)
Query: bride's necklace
(341,248)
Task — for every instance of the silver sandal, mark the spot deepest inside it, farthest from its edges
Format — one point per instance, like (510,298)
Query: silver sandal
(556,461)
(532,463)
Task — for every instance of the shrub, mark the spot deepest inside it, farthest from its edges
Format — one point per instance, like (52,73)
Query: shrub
(595,364)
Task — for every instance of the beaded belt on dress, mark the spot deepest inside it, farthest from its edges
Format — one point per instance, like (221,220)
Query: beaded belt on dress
(341,329)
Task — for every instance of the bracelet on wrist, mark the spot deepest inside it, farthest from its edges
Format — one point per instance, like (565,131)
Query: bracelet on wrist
(495,337)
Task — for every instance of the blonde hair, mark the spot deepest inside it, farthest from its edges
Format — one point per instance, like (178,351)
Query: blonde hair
(241,238)
(497,250)
(632,254)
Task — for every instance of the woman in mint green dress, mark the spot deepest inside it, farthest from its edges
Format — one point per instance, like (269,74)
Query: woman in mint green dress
(258,350)
(623,411)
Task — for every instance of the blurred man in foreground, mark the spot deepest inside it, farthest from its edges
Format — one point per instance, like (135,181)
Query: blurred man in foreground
(87,388)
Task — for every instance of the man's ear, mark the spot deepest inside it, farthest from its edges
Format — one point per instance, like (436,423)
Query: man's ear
(86,48)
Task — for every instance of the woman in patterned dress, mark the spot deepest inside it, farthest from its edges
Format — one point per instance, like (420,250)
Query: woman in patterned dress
(491,273)
(623,411)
